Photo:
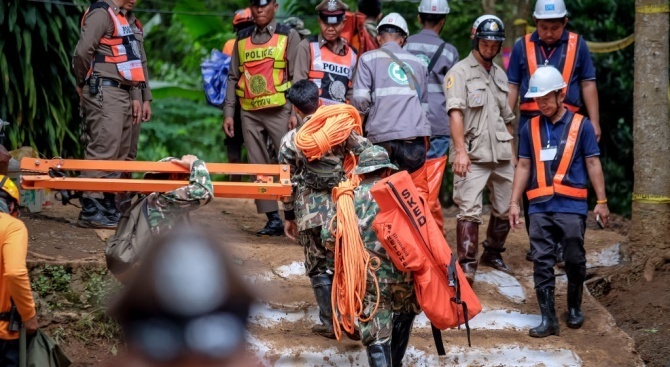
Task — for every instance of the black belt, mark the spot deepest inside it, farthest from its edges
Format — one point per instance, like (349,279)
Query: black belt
(4,316)
(114,83)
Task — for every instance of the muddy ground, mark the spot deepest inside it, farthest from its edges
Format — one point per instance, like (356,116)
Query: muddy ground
(640,309)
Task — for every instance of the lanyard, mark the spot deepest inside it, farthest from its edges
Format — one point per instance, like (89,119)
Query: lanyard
(546,58)
(546,125)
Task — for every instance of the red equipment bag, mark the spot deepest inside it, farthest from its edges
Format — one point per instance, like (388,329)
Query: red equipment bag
(408,232)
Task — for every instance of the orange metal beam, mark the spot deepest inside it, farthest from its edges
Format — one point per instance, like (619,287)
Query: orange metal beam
(260,170)
(251,190)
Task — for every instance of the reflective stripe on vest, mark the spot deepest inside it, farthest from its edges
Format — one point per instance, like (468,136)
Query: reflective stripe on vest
(263,69)
(543,187)
(568,68)
(332,73)
(125,48)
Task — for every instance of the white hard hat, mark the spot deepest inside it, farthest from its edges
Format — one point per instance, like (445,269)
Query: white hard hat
(545,80)
(395,20)
(550,9)
(434,7)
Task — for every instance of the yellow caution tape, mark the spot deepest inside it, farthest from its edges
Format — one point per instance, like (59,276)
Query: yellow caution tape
(653,9)
(651,199)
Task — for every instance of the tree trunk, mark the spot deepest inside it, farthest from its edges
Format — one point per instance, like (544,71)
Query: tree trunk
(489,6)
(651,133)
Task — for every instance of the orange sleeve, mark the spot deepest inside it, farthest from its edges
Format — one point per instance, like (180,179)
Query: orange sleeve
(15,274)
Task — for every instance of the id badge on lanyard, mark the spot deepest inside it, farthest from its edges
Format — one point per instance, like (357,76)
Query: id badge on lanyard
(548,153)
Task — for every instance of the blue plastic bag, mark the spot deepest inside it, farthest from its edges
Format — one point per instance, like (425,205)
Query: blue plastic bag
(215,77)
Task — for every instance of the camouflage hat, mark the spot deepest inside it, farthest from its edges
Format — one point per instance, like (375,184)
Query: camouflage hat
(297,24)
(372,159)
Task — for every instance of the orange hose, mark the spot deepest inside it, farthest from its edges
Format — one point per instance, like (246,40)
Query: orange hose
(328,127)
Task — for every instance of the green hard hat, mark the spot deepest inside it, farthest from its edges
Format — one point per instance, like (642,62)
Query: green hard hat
(372,159)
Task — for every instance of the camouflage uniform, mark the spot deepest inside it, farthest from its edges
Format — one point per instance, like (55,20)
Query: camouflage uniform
(312,206)
(166,209)
(396,288)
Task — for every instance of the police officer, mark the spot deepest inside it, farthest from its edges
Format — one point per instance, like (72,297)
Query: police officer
(557,151)
(111,96)
(386,334)
(327,59)
(390,88)
(145,114)
(307,208)
(261,70)
(552,44)
(16,299)
(481,149)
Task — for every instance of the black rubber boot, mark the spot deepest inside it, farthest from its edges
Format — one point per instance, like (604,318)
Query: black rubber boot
(575,318)
(549,325)
(494,245)
(94,215)
(467,246)
(379,355)
(274,226)
(322,286)
(402,329)
(109,203)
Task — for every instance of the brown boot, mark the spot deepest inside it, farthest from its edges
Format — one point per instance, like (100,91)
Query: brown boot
(467,245)
(494,245)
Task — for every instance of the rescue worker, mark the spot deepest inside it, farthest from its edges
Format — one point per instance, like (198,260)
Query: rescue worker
(299,26)
(160,210)
(557,151)
(360,28)
(145,114)
(242,20)
(552,44)
(327,59)
(306,209)
(386,334)
(107,66)
(186,307)
(481,146)
(392,96)
(261,71)
(439,57)
(16,299)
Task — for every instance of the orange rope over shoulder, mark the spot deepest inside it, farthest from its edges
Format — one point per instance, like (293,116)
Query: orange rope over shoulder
(328,127)
(352,262)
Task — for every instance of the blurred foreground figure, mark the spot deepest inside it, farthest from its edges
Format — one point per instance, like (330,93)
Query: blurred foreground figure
(186,307)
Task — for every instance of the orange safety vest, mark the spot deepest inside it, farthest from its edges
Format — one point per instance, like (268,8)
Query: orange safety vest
(263,69)
(332,73)
(125,48)
(532,58)
(543,187)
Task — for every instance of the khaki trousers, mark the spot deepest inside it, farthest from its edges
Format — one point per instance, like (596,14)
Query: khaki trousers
(134,140)
(468,190)
(257,126)
(109,128)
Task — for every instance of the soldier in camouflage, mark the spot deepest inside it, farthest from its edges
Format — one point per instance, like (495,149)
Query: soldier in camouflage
(306,209)
(386,334)
(165,209)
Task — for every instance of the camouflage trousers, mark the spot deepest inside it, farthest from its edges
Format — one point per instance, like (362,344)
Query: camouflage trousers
(395,298)
(318,259)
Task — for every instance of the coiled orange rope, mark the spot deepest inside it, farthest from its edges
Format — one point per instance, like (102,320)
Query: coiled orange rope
(329,127)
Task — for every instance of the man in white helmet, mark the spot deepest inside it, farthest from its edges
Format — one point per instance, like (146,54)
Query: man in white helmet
(439,57)
(558,150)
(552,44)
(481,146)
(390,88)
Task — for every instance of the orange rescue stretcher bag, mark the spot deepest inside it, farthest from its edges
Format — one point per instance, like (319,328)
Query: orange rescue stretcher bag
(408,232)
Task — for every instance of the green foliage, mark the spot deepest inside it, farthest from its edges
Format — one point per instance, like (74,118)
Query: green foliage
(39,98)
(180,127)
(52,279)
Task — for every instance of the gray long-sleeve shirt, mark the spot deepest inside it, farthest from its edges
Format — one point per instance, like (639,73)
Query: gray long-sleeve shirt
(384,93)
(424,45)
